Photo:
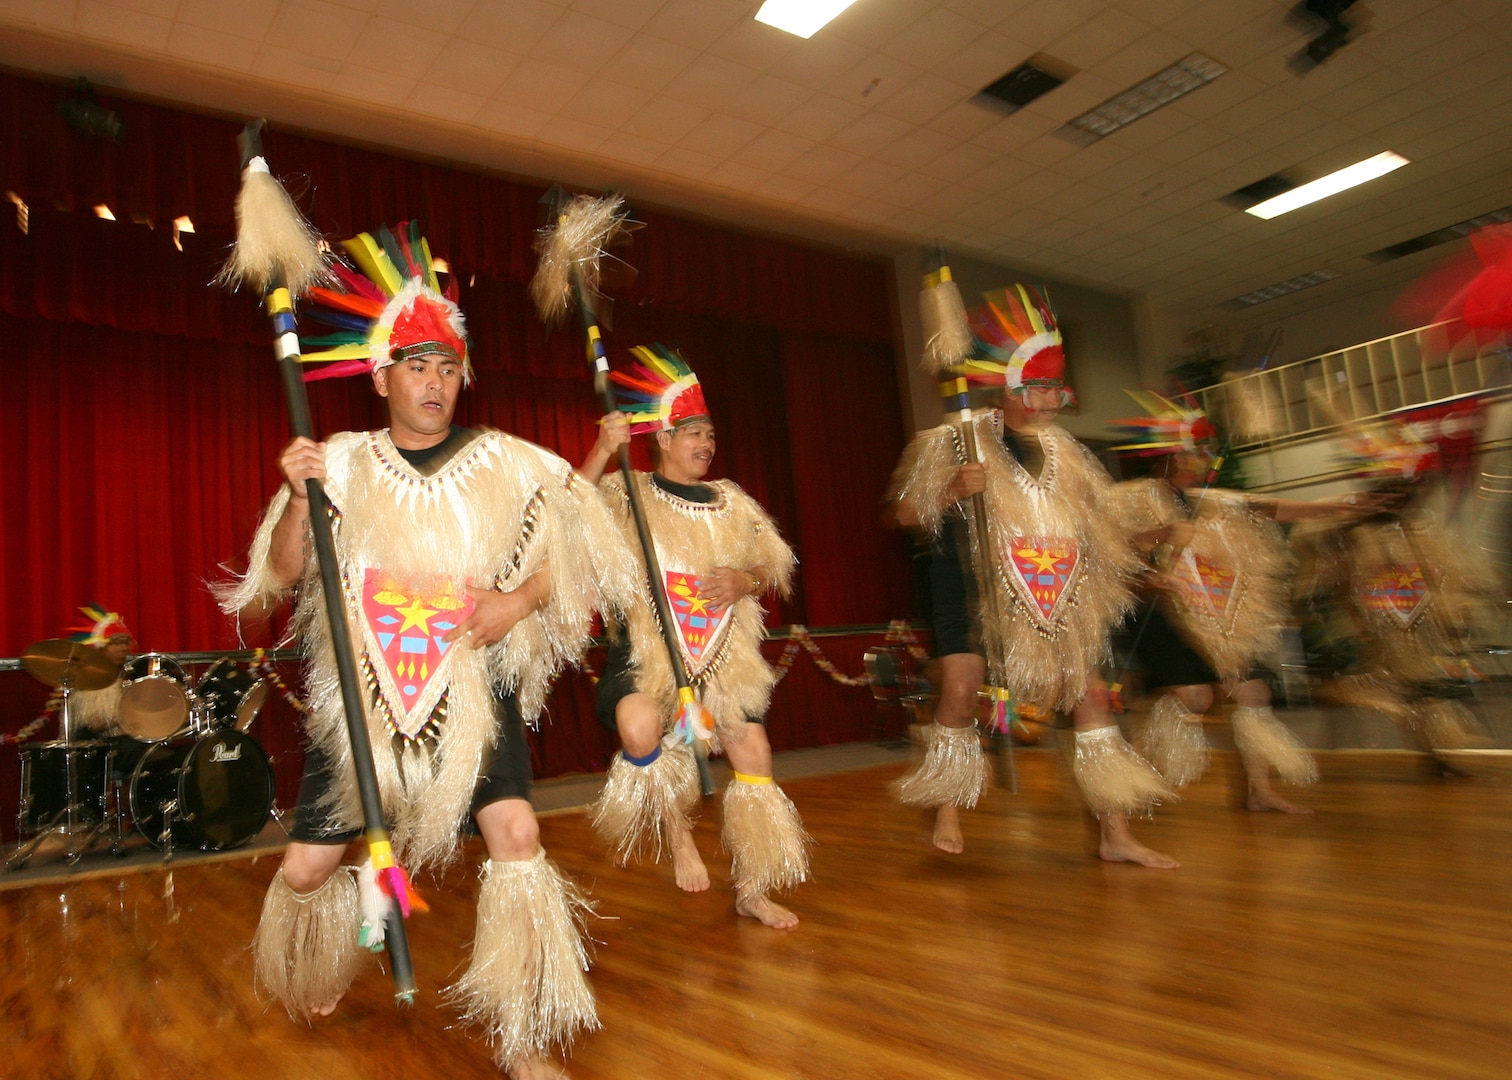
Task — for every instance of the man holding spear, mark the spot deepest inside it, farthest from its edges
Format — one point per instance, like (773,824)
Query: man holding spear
(1050,565)
(718,554)
(709,553)
(470,566)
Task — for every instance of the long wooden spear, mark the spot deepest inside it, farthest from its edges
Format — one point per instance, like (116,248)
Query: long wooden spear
(948,342)
(568,274)
(277,252)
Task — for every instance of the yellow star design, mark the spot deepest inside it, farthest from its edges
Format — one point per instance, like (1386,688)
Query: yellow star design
(697,605)
(1042,560)
(416,615)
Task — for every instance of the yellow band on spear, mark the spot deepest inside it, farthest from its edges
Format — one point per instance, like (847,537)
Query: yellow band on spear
(744,779)
(593,333)
(945,274)
(279,300)
(382,854)
(685,695)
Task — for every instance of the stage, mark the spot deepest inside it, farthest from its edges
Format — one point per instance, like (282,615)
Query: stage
(1372,940)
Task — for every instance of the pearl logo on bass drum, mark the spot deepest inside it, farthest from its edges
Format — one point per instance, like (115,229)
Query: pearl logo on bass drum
(221,753)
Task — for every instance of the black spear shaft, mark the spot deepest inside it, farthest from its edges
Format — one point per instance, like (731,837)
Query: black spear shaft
(280,308)
(605,392)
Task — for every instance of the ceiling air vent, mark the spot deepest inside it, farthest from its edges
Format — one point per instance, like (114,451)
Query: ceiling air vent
(1032,79)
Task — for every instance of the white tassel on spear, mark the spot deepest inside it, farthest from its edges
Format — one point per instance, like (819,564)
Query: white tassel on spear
(274,242)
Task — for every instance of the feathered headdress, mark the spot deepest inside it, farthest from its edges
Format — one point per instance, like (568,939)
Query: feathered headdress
(388,308)
(1391,452)
(660,391)
(1171,428)
(103,625)
(1016,330)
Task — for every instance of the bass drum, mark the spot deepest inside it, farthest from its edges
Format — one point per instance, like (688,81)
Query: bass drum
(213,792)
(154,697)
(231,695)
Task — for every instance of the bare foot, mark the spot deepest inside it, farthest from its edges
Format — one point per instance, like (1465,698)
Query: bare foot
(947,830)
(766,912)
(1117,844)
(687,866)
(1260,801)
(328,1008)
(536,1069)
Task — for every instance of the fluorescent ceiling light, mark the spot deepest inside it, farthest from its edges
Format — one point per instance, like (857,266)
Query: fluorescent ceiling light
(1335,182)
(800,17)
(1162,88)
(1282,288)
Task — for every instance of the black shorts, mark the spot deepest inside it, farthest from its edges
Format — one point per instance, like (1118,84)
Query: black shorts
(506,775)
(950,594)
(1162,652)
(617,682)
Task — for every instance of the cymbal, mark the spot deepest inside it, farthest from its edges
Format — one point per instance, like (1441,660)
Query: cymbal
(60,659)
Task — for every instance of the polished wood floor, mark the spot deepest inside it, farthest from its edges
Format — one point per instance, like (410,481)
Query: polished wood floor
(1373,940)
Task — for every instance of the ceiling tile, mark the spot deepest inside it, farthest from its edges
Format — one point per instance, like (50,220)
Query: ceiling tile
(580,41)
(513,28)
(766,98)
(212,47)
(869,133)
(440,101)
(243,19)
(512,119)
(635,14)
(720,136)
(541,87)
(41,14)
(819,117)
(777,149)
(317,28)
(437,16)
(388,48)
(697,23)
(121,27)
(604,103)
(294,68)
(934,39)
(821,164)
(650,63)
(471,68)
(687,163)
(666,120)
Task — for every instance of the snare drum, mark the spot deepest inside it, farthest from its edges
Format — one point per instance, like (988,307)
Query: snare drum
(212,792)
(154,697)
(44,783)
(231,695)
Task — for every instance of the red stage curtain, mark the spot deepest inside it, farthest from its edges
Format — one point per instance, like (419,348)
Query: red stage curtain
(144,416)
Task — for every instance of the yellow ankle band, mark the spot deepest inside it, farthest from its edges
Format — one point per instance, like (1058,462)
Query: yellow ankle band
(744,779)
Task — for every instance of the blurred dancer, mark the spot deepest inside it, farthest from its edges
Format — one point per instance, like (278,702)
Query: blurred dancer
(1216,602)
(1057,576)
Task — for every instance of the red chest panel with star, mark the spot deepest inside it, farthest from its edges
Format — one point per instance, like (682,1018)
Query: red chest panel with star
(700,632)
(407,628)
(1209,584)
(1042,570)
(1396,590)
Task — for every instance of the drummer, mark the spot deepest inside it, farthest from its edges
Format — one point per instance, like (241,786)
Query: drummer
(96,711)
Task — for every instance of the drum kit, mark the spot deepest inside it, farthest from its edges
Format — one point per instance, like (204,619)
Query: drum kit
(178,765)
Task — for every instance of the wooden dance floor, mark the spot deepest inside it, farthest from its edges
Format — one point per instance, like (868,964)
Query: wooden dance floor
(1371,941)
